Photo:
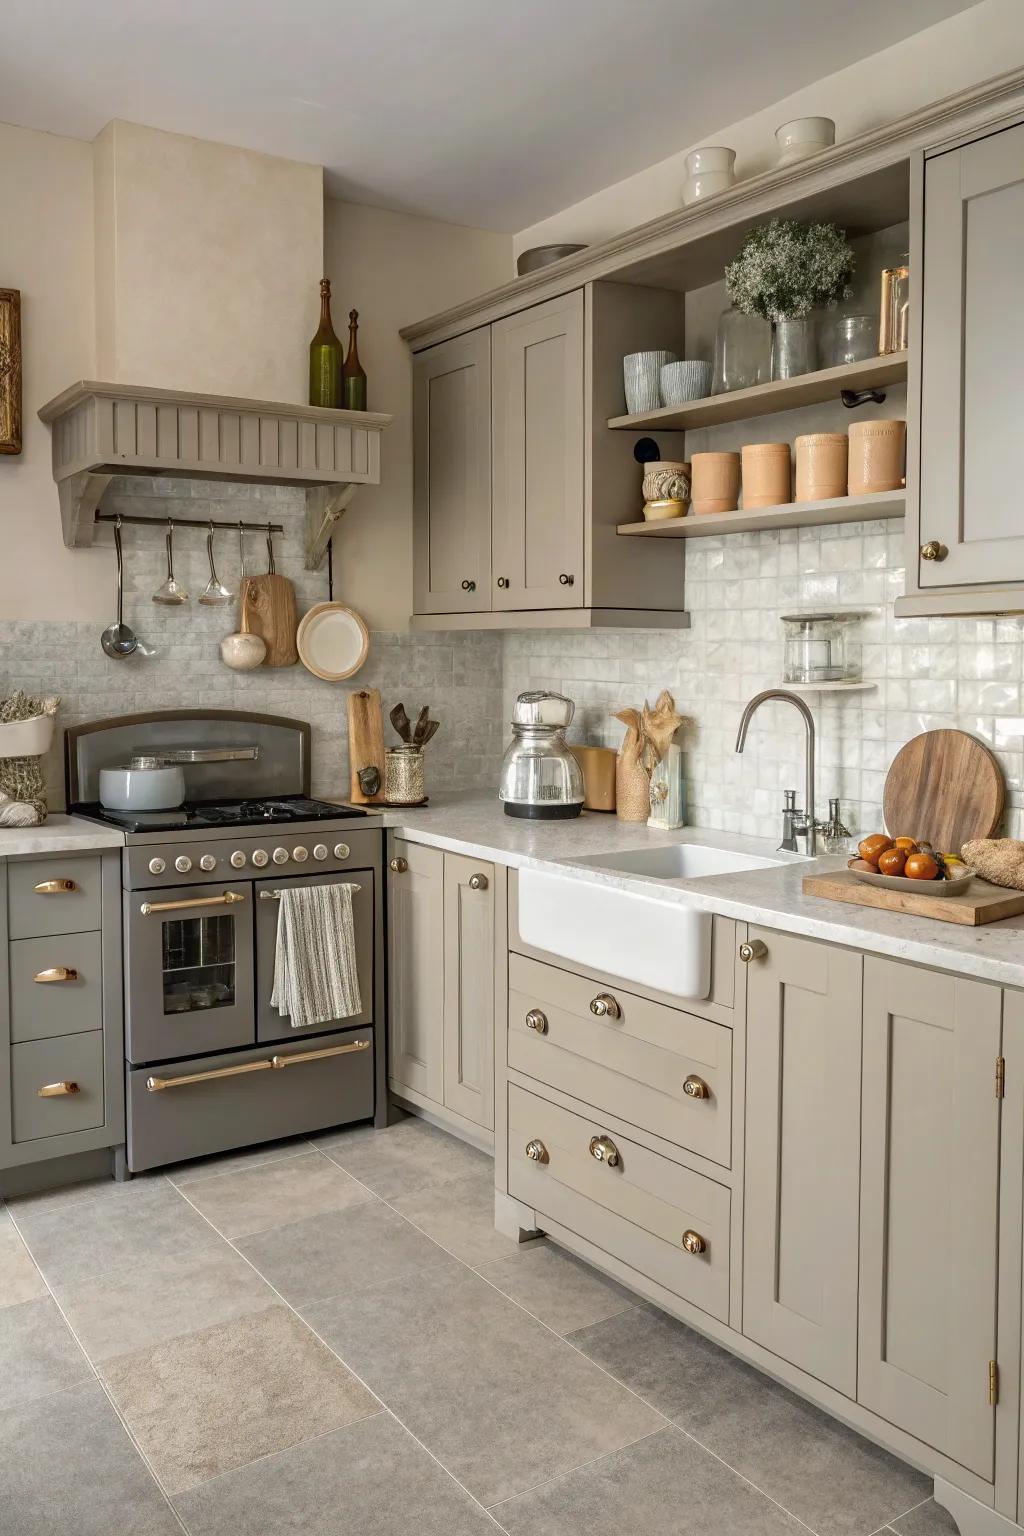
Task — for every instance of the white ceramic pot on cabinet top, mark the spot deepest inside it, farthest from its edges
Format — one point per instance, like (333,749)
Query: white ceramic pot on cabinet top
(804,136)
(708,171)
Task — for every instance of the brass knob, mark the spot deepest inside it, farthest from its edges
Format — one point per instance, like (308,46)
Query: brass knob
(478,882)
(537,1021)
(469,586)
(604,1150)
(399,866)
(57,973)
(56,1090)
(537,1152)
(566,580)
(55,887)
(693,1242)
(695,1087)
(503,583)
(755,949)
(605,1006)
(933,550)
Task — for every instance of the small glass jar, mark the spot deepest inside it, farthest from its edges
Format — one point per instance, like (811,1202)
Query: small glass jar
(743,351)
(817,650)
(848,339)
(403,776)
(794,347)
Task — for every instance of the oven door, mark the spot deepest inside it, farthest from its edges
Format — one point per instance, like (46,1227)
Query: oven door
(271,1025)
(188,970)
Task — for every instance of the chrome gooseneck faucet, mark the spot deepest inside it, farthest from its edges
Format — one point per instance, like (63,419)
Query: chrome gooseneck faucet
(798,827)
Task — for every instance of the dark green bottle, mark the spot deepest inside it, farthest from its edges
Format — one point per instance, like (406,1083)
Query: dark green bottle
(353,378)
(325,356)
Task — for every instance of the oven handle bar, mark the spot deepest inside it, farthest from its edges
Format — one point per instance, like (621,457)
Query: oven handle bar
(225,899)
(276,895)
(158,1084)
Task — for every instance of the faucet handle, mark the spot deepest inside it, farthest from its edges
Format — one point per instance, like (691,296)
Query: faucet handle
(789,799)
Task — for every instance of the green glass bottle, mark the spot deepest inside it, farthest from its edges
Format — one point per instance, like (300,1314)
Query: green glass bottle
(325,356)
(353,378)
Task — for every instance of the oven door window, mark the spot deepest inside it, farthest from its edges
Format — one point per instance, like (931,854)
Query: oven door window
(199,959)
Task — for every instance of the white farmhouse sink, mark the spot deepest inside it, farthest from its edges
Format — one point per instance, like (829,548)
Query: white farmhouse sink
(632,932)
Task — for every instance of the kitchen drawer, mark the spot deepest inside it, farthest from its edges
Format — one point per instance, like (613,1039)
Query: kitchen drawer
(638,1210)
(229,1104)
(633,1066)
(69,1059)
(71,905)
(40,1007)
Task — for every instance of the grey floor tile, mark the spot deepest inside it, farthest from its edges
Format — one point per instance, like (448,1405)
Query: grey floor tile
(215,1400)
(401,1158)
(274,1194)
(460,1216)
(836,1482)
(121,1311)
(559,1289)
(341,1252)
(37,1353)
(201,1168)
(20,1280)
(88,1189)
(664,1485)
(928,1519)
(69,1469)
(92,1237)
(370,1479)
(496,1397)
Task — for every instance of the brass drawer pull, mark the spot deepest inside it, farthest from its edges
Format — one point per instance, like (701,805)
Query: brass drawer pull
(225,899)
(57,973)
(605,1006)
(55,887)
(158,1084)
(398,866)
(537,1152)
(478,882)
(756,949)
(604,1150)
(693,1242)
(537,1021)
(695,1087)
(56,1090)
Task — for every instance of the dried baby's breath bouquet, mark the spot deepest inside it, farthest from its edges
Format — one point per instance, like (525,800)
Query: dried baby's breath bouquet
(787,268)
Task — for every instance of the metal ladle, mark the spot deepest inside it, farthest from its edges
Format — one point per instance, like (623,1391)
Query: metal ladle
(215,591)
(119,639)
(170,591)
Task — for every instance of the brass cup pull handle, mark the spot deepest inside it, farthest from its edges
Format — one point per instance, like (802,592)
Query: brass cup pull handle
(605,1006)
(933,550)
(56,1090)
(695,1087)
(537,1021)
(398,866)
(693,1242)
(55,887)
(537,1152)
(604,1150)
(478,882)
(755,949)
(57,973)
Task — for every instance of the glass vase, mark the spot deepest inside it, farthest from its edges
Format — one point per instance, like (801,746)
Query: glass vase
(793,349)
(742,351)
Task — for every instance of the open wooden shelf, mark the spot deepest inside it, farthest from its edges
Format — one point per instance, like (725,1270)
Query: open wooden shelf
(794,514)
(766,399)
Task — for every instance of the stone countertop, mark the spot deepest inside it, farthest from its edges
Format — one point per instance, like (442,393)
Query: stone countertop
(58,834)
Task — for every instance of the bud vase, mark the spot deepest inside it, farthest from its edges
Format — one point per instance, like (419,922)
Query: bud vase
(793,350)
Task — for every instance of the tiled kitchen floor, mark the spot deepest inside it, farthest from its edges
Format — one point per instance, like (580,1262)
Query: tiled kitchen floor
(330,1338)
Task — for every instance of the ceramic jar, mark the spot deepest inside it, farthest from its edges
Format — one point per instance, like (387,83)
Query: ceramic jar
(641,376)
(666,479)
(766,475)
(688,380)
(877,450)
(821,459)
(708,171)
(598,765)
(715,482)
(804,136)
(403,775)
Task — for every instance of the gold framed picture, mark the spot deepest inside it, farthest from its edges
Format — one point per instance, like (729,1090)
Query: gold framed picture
(10,370)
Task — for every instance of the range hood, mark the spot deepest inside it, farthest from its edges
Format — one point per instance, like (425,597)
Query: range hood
(102,430)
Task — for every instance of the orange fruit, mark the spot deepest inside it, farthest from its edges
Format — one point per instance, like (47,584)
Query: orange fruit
(921,866)
(908,844)
(892,861)
(871,847)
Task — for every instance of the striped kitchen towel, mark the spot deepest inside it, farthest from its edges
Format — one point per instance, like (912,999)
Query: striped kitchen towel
(315,973)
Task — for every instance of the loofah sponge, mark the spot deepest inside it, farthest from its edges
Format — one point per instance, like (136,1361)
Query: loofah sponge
(998,859)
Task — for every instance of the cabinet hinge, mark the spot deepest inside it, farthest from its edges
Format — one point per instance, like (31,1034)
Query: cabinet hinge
(993,1383)
(1000,1077)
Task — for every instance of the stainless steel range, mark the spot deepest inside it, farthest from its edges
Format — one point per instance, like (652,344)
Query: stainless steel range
(211,1065)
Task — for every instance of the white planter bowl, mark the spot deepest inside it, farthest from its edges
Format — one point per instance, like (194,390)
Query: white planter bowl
(641,376)
(26,738)
(708,171)
(688,380)
(804,136)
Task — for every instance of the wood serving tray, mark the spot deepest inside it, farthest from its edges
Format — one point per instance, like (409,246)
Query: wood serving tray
(980,903)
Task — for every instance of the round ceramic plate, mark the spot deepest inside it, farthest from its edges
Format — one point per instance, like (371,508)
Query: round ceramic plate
(922,887)
(332,641)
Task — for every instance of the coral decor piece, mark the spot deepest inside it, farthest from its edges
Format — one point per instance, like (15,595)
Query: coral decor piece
(648,735)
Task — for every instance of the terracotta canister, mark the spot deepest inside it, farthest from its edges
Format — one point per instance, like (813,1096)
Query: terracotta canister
(598,765)
(715,482)
(821,466)
(766,475)
(877,450)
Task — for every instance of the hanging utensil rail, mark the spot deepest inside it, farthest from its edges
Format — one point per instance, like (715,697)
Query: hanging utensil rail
(188,522)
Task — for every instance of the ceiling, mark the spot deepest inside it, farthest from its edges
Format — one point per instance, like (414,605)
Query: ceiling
(479,112)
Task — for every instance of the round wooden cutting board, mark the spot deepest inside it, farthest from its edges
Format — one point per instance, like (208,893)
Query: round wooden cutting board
(944,787)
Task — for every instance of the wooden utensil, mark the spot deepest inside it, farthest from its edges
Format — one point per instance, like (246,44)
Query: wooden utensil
(365,743)
(268,610)
(945,787)
(400,720)
(980,903)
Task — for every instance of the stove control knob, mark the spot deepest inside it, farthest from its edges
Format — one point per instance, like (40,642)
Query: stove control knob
(157,866)
(342,850)
(260,857)
(207,862)
(320,851)
(280,855)
(300,854)
(237,859)
(183,863)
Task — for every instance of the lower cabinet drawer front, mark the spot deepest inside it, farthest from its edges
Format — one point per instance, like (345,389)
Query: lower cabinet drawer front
(228,1107)
(638,1211)
(72,1063)
(53,895)
(633,1066)
(56,986)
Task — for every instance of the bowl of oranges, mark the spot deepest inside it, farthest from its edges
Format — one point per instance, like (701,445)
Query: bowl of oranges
(907,864)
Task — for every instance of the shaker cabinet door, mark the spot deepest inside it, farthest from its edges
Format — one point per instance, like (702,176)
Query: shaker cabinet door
(537,504)
(929,1207)
(416,970)
(452,476)
(972,365)
(802,1152)
(469,988)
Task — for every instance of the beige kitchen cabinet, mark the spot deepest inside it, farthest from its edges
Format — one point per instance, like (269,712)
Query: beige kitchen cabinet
(537,477)
(929,1207)
(469,988)
(416,969)
(452,475)
(802,1154)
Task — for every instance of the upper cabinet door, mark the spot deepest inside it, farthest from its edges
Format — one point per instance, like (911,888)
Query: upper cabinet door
(972,365)
(929,1207)
(537,508)
(452,476)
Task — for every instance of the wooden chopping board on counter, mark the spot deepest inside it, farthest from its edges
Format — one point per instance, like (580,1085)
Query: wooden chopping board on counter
(944,787)
(365,742)
(980,903)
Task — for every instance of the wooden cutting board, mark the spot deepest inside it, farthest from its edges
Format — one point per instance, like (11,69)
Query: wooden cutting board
(980,903)
(365,742)
(268,610)
(945,787)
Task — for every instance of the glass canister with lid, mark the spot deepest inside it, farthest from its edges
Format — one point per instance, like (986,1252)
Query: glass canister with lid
(818,648)
(540,777)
